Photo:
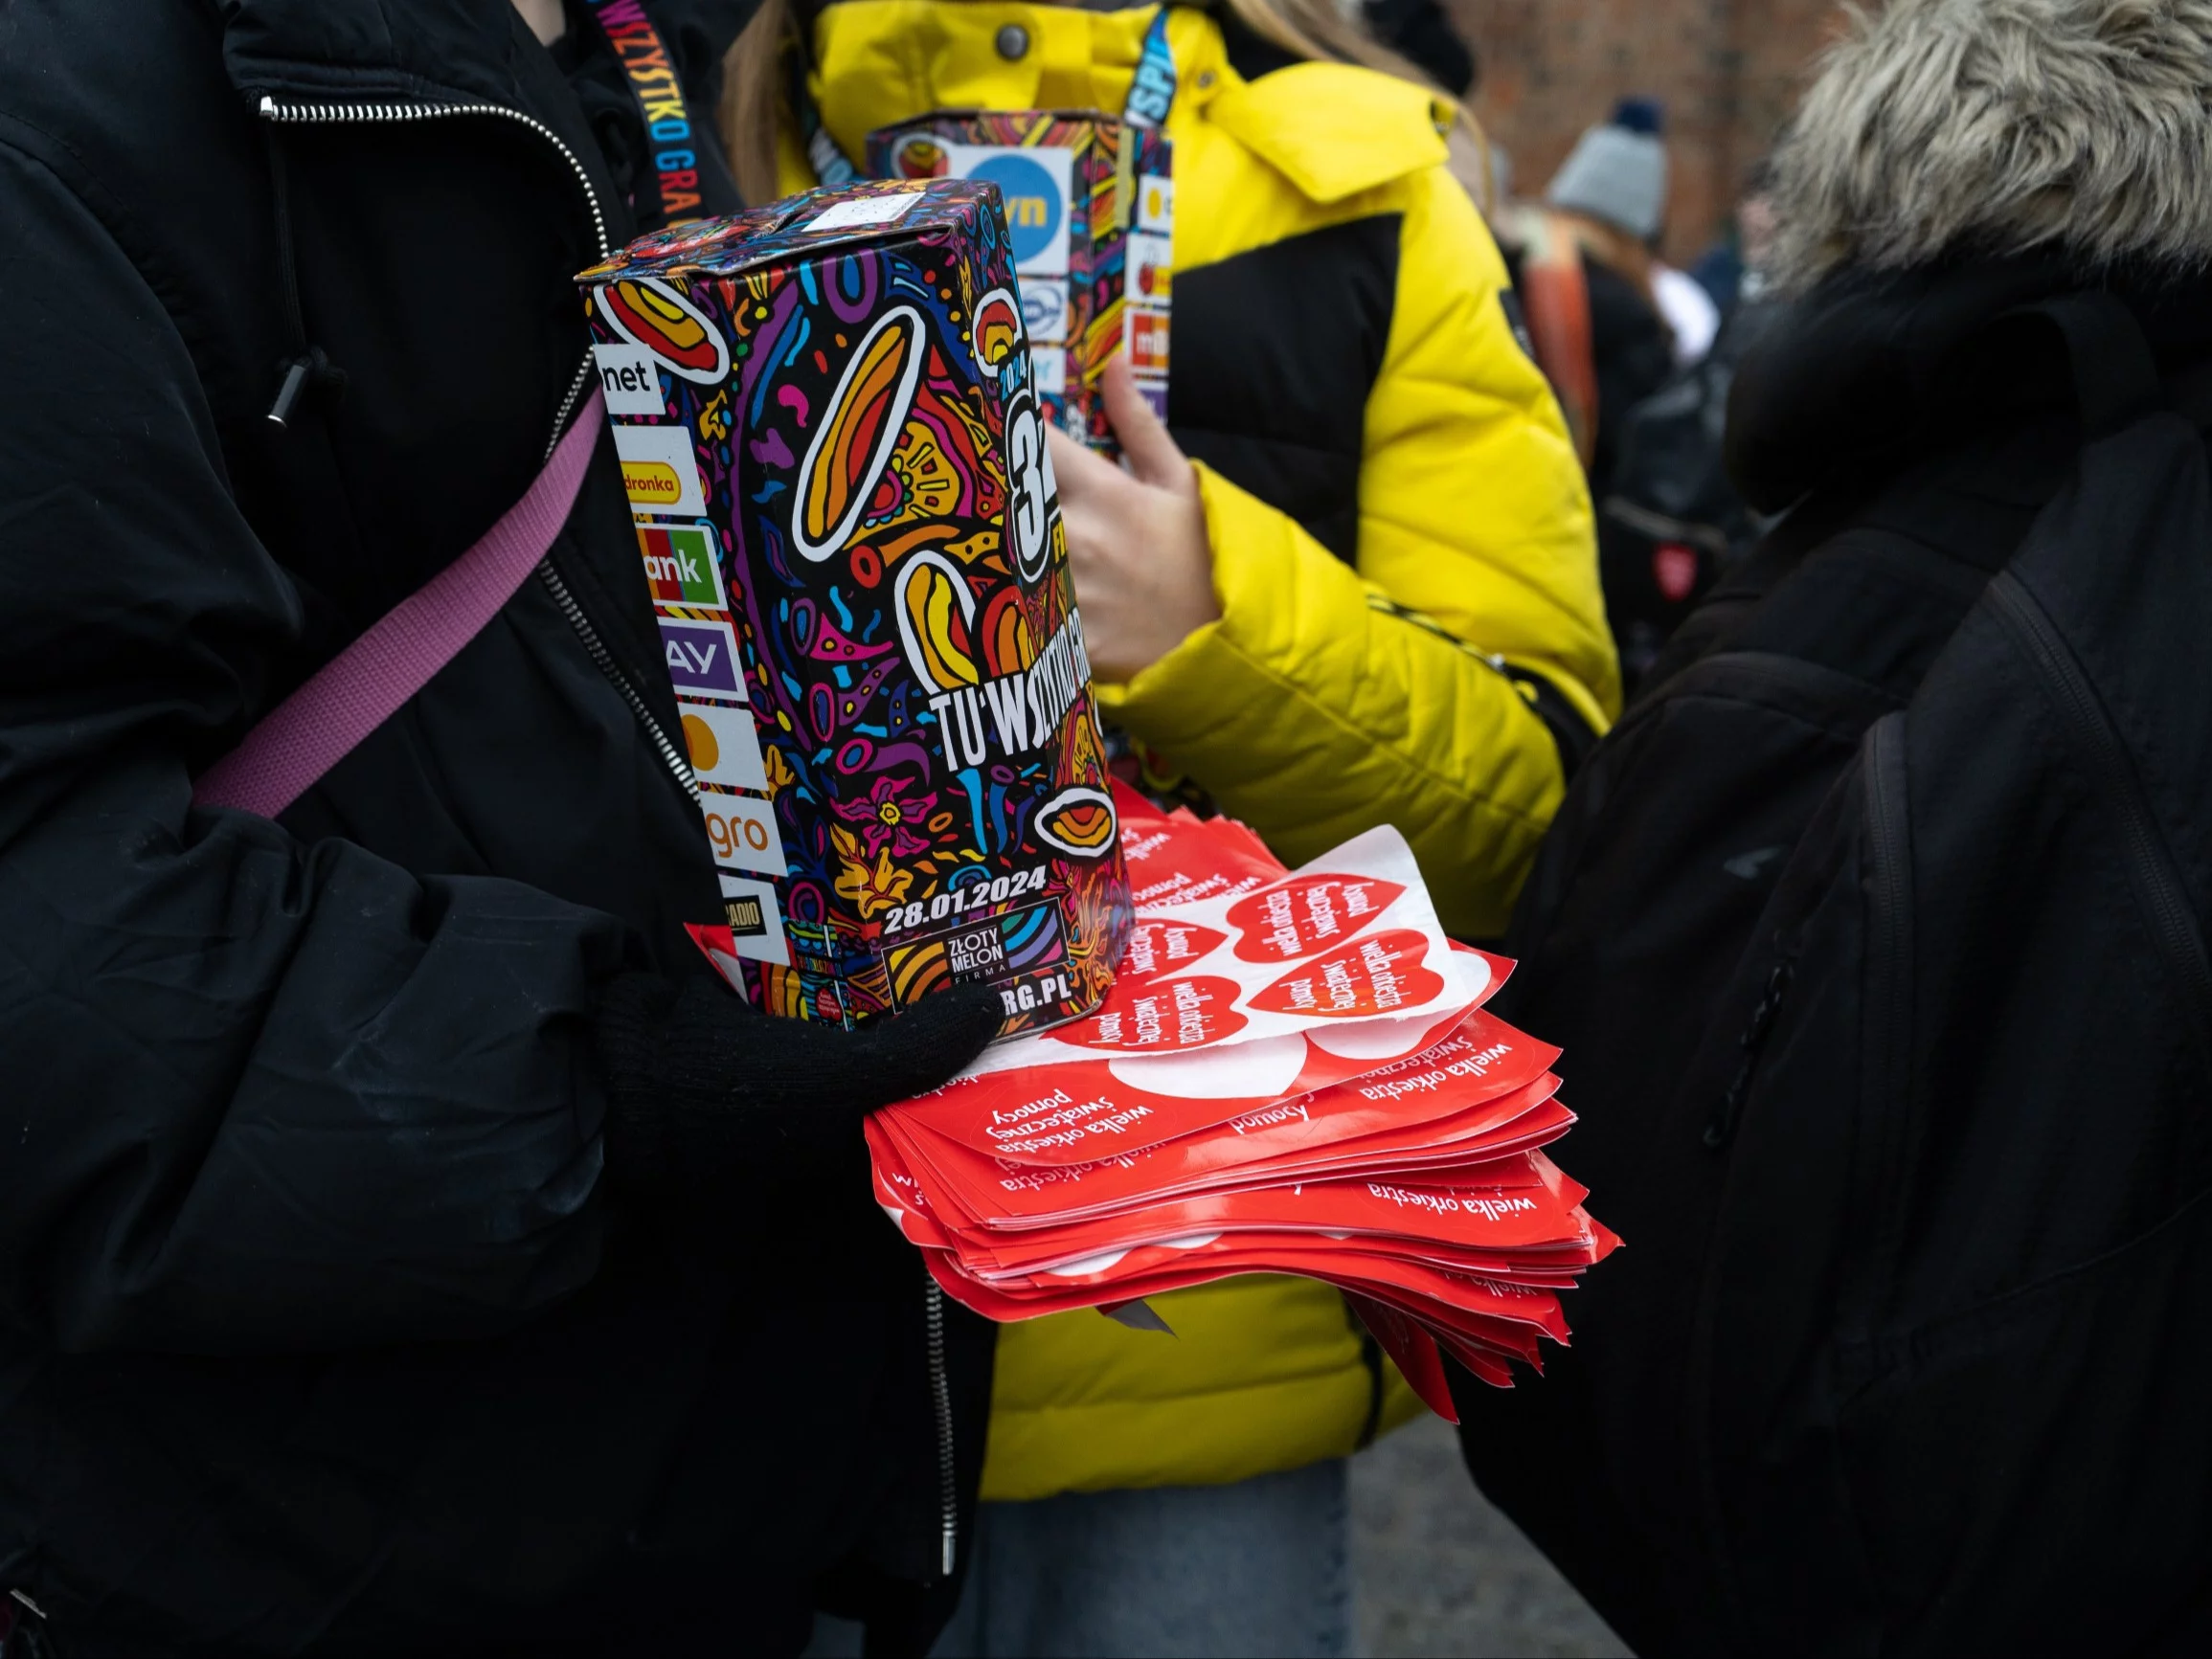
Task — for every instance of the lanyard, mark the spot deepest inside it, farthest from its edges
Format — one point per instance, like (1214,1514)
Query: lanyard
(1151,95)
(672,136)
(1152,88)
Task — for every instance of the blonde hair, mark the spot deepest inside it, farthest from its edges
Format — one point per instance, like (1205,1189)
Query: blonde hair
(1315,29)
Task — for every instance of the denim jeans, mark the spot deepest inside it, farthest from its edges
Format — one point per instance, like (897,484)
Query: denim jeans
(1258,1567)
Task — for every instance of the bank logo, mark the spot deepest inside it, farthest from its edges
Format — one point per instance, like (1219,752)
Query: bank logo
(1147,341)
(680,565)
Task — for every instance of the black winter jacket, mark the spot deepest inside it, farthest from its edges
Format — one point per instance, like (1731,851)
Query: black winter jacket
(316,1330)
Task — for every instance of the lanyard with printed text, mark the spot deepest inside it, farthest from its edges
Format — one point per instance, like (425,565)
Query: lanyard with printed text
(673,139)
(1151,96)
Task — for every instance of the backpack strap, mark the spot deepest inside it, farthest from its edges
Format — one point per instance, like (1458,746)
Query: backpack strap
(365,684)
(2115,375)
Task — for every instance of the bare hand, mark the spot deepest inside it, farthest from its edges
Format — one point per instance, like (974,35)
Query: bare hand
(1136,539)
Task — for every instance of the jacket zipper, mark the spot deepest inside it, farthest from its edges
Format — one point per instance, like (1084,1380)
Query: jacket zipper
(1720,1126)
(942,1397)
(1884,1060)
(2173,922)
(596,648)
(340,114)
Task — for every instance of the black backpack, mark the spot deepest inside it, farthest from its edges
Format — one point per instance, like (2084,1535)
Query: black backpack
(1670,522)
(1883,989)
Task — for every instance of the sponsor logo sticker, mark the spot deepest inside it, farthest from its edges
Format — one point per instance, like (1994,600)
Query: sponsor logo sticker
(1049,372)
(1156,204)
(756,923)
(1147,337)
(724,744)
(1033,184)
(659,472)
(1148,269)
(742,832)
(630,379)
(701,656)
(681,567)
(1044,311)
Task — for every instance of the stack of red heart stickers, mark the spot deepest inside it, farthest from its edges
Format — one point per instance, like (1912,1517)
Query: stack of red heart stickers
(1293,1073)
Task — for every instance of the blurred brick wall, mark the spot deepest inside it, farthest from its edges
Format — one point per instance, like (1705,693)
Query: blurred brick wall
(1728,71)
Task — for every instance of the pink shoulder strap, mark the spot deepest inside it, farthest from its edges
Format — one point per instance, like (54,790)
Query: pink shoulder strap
(365,684)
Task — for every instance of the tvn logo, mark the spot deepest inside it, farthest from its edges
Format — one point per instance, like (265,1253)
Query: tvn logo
(1033,186)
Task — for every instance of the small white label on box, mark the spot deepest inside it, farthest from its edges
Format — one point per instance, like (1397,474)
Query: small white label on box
(756,923)
(864,211)
(658,471)
(1148,270)
(630,379)
(1156,204)
(1049,372)
(1045,309)
(742,833)
(724,744)
(1145,335)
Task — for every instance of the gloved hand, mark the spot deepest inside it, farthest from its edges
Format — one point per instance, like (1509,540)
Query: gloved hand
(709,1100)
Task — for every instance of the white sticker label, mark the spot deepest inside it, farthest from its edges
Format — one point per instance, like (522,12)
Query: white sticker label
(1147,273)
(724,745)
(1049,372)
(756,923)
(630,379)
(742,832)
(1156,204)
(1045,309)
(659,472)
(864,211)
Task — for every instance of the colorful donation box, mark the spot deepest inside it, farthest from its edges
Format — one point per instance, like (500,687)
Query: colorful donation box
(1090,204)
(847,517)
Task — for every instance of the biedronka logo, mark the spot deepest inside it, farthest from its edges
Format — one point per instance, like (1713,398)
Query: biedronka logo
(652,483)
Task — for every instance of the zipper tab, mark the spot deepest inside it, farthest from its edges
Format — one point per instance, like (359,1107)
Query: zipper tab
(288,393)
(1720,1126)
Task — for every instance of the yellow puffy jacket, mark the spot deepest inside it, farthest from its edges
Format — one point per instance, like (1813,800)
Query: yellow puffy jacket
(1411,626)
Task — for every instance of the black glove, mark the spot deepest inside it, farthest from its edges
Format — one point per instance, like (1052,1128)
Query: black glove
(710,1100)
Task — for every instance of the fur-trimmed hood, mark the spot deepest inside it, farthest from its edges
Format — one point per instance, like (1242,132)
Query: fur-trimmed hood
(1938,128)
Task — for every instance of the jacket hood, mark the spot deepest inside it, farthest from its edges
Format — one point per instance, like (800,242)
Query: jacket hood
(1872,368)
(1942,128)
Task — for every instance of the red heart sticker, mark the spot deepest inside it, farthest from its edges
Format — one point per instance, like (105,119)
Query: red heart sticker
(1159,1016)
(1160,947)
(1385,973)
(1307,913)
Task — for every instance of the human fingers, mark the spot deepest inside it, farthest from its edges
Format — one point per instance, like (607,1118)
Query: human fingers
(1153,455)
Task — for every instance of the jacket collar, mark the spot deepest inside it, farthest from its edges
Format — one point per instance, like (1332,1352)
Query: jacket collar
(365,51)
(1872,365)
